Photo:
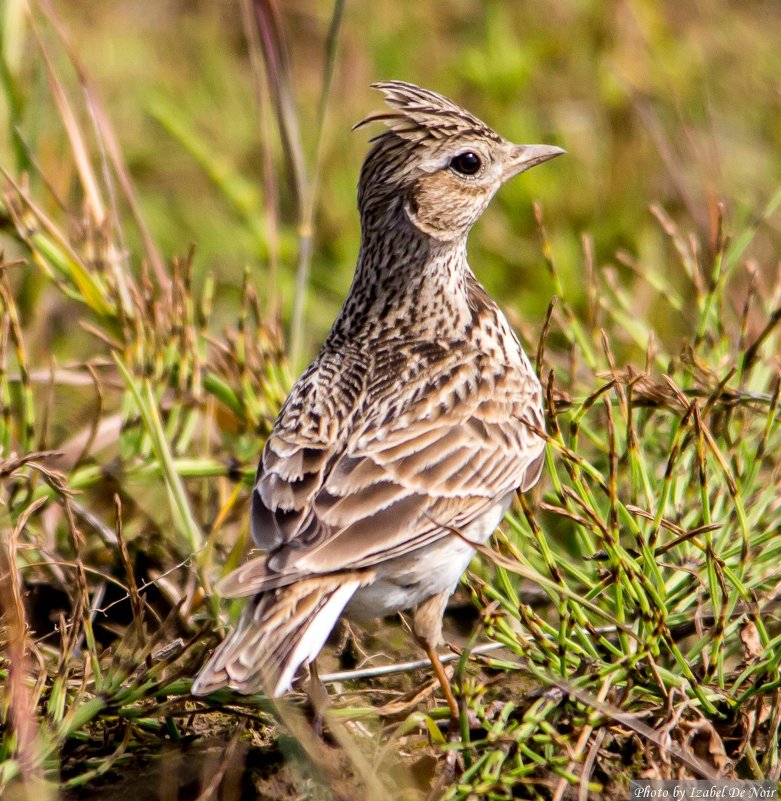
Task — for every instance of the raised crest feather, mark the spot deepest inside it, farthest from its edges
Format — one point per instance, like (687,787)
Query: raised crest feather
(418,114)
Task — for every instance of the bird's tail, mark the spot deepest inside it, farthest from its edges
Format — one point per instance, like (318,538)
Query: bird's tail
(280,630)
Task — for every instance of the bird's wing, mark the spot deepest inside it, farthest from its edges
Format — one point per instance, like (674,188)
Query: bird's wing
(310,431)
(433,451)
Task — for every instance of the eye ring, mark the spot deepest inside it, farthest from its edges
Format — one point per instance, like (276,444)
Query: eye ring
(467,163)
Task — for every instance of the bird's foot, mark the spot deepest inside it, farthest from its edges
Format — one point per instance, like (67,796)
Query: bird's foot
(319,699)
(452,767)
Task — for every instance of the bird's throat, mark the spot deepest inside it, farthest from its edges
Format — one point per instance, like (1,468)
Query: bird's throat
(403,282)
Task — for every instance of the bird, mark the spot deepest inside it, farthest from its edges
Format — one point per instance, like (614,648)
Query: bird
(400,447)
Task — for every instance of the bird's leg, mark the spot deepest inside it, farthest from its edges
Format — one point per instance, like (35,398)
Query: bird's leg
(318,695)
(427,627)
(447,690)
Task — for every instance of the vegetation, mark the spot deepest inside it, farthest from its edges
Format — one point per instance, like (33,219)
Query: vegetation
(634,594)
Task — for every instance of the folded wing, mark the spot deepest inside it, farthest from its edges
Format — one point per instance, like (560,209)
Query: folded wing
(435,450)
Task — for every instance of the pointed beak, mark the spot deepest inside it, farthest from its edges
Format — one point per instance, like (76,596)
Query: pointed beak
(524,157)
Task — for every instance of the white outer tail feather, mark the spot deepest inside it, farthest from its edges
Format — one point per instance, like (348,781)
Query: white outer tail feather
(314,637)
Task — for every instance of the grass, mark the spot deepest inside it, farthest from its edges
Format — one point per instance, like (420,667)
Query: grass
(634,594)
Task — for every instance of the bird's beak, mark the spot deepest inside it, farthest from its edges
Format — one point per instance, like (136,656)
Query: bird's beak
(525,156)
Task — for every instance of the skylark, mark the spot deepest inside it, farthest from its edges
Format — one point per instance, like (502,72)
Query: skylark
(405,439)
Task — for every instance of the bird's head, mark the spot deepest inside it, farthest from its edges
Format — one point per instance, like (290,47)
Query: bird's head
(437,165)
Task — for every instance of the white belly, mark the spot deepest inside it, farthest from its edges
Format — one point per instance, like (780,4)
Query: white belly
(410,579)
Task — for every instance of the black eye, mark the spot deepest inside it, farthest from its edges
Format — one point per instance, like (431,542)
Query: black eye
(467,163)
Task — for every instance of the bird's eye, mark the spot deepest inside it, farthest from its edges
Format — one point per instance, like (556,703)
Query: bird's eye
(467,163)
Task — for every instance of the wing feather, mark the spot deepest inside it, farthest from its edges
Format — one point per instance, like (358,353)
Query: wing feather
(429,452)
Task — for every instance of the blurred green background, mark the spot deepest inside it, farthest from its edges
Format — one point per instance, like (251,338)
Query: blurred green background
(677,103)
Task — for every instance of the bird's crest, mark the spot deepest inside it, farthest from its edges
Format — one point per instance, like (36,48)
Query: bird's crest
(418,114)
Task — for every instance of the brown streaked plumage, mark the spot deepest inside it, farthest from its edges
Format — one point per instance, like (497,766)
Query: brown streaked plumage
(417,419)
